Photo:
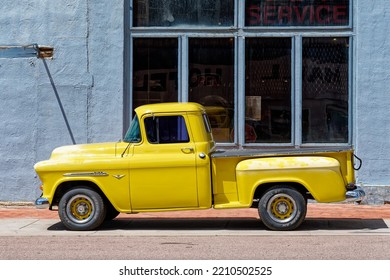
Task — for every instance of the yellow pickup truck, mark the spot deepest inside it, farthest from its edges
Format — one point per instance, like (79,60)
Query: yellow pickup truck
(168,161)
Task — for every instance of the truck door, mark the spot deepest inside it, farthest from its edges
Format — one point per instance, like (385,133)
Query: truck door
(163,167)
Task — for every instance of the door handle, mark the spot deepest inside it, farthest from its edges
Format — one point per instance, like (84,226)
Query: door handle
(187,150)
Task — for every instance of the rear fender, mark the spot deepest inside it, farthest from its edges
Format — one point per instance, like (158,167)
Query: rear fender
(321,176)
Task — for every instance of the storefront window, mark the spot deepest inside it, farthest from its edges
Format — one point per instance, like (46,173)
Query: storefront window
(269,72)
(268,90)
(183,13)
(325,90)
(211,82)
(154,70)
(297,12)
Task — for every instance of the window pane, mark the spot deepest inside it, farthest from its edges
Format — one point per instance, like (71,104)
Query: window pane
(165,130)
(183,13)
(268,90)
(297,13)
(133,135)
(155,71)
(325,90)
(211,82)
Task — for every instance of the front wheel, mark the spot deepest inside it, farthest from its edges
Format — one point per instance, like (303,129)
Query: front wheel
(282,208)
(82,209)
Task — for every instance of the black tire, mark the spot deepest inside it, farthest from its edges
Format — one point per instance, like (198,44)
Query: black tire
(82,209)
(111,212)
(282,208)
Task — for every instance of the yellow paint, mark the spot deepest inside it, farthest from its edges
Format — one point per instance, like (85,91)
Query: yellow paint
(79,159)
(320,175)
(140,177)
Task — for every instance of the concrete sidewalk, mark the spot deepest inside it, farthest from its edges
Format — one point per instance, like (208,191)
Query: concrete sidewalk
(322,219)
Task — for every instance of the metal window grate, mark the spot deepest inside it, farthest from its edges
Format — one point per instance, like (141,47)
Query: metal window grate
(325,93)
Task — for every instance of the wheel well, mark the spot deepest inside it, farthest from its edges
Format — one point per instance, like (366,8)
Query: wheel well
(67,186)
(261,189)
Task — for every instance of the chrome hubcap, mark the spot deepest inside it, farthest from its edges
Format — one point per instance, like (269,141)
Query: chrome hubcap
(282,208)
(80,209)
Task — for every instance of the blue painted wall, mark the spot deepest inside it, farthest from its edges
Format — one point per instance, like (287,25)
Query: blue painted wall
(372,91)
(88,72)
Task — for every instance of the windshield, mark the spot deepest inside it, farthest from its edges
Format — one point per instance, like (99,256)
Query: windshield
(133,135)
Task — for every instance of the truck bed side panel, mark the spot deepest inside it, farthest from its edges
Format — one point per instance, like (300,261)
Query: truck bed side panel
(323,172)
(319,175)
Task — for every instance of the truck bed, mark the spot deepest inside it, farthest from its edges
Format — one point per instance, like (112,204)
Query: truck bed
(229,153)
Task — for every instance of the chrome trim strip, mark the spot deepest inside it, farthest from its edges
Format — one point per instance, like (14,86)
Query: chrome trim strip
(82,174)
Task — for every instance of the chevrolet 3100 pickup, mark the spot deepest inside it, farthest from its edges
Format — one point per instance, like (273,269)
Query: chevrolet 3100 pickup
(168,161)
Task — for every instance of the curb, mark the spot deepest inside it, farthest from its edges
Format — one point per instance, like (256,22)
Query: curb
(16,204)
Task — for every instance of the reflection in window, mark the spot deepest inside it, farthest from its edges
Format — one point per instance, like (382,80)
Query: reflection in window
(133,135)
(211,82)
(325,90)
(297,13)
(182,13)
(155,71)
(268,90)
(165,130)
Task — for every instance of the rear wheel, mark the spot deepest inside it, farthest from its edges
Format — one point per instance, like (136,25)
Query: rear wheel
(282,208)
(82,209)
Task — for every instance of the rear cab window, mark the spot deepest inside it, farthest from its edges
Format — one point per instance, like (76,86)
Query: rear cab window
(206,122)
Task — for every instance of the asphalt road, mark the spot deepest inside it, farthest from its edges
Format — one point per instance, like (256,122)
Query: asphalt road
(196,239)
(195,247)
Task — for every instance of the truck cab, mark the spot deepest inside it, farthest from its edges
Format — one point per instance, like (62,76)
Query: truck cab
(169,157)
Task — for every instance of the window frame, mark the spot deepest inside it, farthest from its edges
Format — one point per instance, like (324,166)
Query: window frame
(240,32)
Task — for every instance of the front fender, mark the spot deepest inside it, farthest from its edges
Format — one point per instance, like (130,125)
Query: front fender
(321,176)
(115,189)
(109,174)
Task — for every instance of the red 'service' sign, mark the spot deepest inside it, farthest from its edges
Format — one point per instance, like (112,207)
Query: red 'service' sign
(297,13)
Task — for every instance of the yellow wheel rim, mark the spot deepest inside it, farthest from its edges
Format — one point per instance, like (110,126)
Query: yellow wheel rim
(282,208)
(80,209)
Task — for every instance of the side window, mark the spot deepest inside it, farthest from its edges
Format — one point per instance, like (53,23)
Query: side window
(165,130)
(133,135)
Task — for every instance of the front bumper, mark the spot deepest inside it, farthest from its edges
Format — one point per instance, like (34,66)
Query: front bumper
(356,195)
(42,203)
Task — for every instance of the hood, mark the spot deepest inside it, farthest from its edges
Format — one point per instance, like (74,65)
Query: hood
(86,150)
(80,156)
